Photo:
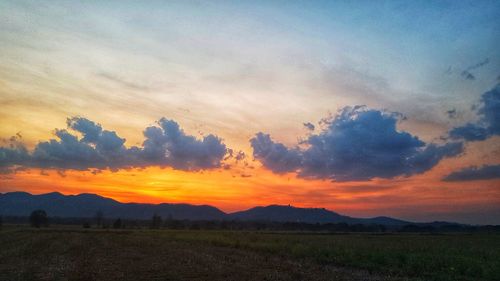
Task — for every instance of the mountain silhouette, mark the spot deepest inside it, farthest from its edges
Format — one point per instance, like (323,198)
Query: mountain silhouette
(86,205)
(280,213)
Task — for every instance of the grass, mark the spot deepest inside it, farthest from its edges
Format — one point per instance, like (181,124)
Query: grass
(429,257)
(77,254)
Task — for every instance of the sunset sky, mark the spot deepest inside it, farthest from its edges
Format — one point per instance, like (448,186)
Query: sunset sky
(365,108)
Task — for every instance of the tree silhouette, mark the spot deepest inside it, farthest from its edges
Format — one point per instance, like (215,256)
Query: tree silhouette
(39,218)
(99,217)
(155,222)
(117,224)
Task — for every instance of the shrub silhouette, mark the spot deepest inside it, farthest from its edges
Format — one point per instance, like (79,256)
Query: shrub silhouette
(39,218)
(99,217)
(117,224)
(155,222)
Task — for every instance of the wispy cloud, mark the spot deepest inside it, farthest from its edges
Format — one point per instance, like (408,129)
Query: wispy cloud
(486,172)
(467,74)
(123,82)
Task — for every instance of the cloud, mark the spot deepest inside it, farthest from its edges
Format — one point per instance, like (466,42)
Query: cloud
(470,132)
(275,156)
(166,145)
(490,110)
(488,124)
(120,81)
(237,156)
(15,153)
(89,129)
(240,156)
(475,173)
(478,65)
(357,145)
(466,73)
(309,126)
(97,149)
(452,114)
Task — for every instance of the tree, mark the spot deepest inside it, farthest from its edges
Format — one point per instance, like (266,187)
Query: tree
(99,217)
(155,222)
(117,224)
(39,218)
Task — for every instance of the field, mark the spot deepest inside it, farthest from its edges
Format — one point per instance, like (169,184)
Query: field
(71,253)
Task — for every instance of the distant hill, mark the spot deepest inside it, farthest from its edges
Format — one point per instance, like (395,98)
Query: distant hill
(281,213)
(87,205)
(290,214)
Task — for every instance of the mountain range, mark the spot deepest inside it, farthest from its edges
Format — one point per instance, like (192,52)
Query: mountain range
(87,205)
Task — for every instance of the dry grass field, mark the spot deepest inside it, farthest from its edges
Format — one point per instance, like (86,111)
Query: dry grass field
(71,253)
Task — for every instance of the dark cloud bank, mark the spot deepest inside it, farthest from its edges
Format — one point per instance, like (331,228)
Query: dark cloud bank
(486,172)
(165,145)
(488,125)
(361,144)
(358,144)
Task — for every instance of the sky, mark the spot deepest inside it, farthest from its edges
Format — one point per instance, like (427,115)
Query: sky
(365,108)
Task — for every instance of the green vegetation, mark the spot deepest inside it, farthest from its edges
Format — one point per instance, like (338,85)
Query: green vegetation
(430,257)
(72,253)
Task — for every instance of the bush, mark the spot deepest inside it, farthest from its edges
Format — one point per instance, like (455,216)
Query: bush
(99,218)
(39,218)
(117,224)
(155,222)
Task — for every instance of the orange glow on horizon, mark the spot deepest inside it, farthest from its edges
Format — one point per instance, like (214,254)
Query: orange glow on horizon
(229,191)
